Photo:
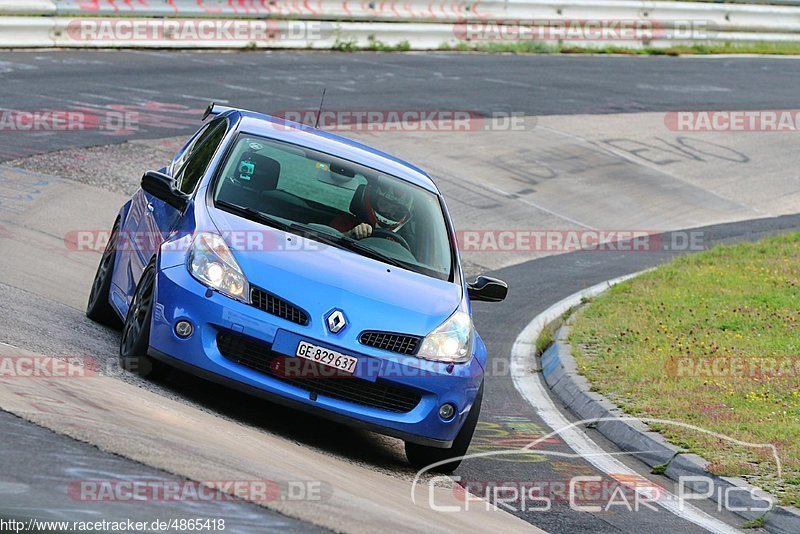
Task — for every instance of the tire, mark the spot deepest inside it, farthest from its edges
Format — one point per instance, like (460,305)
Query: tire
(421,456)
(135,338)
(99,308)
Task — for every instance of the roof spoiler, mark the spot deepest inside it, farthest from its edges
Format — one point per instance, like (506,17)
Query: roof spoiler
(215,109)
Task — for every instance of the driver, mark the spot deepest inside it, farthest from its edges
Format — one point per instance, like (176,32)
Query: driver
(384,205)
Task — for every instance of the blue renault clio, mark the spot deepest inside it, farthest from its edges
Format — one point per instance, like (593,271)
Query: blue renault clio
(304,268)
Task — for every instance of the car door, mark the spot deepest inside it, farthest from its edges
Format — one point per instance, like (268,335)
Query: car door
(158,217)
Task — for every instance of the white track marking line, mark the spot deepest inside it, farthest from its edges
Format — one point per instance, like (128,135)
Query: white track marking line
(512,83)
(206,99)
(138,90)
(535,392)
(247,89)
(99,97)
(512,196)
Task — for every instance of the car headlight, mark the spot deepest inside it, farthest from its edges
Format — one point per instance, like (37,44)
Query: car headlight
(212,263)
(451,341)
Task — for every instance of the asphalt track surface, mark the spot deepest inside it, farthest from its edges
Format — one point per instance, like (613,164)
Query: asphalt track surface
(67,459)
(530,85)
(277,81)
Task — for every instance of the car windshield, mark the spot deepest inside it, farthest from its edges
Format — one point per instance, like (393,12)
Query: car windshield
(336,201)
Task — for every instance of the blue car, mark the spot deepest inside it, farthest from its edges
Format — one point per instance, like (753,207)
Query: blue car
(304,268)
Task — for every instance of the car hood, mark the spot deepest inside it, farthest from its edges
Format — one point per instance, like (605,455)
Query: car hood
(319,278)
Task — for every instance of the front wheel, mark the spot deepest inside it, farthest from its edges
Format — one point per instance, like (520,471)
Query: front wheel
(421,456)
(136,332)
(98,308)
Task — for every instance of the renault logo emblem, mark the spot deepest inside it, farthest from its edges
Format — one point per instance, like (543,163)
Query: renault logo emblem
(336,321)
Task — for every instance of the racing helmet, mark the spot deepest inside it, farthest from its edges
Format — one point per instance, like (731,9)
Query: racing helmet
(388,205)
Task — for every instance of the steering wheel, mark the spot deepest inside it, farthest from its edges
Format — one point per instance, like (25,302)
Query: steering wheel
(391,236)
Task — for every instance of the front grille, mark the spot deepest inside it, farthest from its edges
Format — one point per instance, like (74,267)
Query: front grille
(400,343)
(259,356)
(277,306)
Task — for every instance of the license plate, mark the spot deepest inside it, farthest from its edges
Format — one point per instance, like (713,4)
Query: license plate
(324,356)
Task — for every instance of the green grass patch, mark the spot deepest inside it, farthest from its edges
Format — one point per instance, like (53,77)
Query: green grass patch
(375,45)
(535,47)
(548,334)
(545,339)
(378,46)
(732,303)
(345,45)
(758,522)
(659,469)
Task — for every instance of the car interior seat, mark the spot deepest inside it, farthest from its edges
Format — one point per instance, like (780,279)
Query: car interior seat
(357,203)
(253,175)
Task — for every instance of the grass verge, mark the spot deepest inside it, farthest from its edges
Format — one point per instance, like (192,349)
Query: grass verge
(534,47)
(545,339)
(692,342)
(548,334)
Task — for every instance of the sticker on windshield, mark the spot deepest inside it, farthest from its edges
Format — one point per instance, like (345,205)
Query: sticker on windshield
(246,170)
(256,146)
(323,166)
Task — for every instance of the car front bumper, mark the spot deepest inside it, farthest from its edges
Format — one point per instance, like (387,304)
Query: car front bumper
(180,297)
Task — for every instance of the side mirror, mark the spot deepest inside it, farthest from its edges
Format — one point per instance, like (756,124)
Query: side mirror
(162,187)
(487,289)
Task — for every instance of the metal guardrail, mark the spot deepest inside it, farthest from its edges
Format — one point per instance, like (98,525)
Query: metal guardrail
(724,16)
(38,32)
(30,7)
(423,24)
(759,2)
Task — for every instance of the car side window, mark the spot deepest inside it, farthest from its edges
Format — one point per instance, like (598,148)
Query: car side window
(180,159)
(199,156)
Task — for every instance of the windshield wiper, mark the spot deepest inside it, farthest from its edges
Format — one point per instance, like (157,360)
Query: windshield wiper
(344,241)
(270,220)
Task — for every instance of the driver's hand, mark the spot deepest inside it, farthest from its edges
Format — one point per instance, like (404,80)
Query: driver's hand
(361,231)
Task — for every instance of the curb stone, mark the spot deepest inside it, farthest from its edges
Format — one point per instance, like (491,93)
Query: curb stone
(559,371)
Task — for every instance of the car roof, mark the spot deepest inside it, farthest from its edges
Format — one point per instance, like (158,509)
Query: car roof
(300,134)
